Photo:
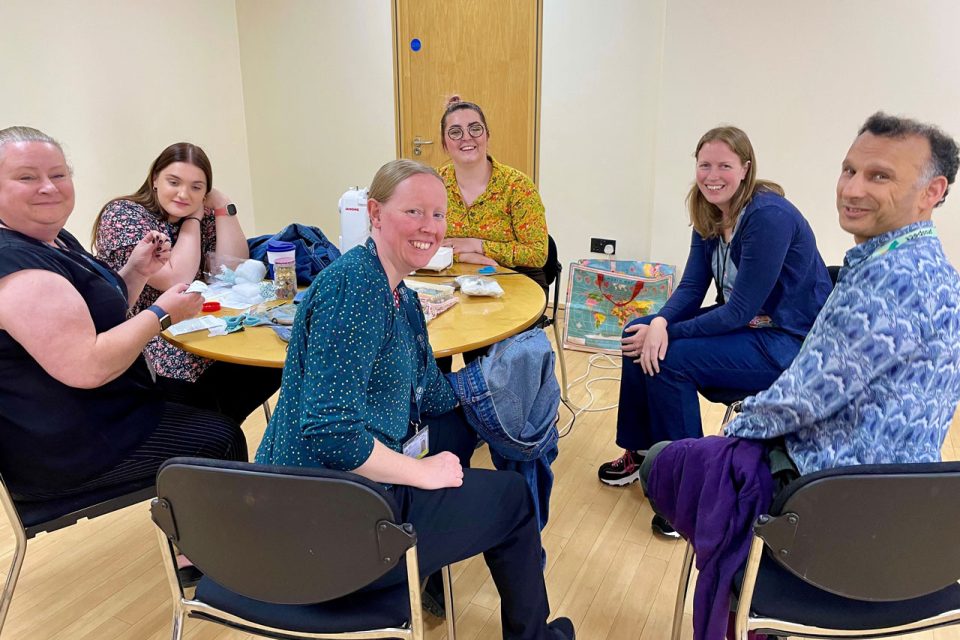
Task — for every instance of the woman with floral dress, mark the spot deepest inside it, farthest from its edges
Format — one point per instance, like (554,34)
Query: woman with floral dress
(177,192)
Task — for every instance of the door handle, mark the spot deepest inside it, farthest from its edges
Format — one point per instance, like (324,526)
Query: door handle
(417,142)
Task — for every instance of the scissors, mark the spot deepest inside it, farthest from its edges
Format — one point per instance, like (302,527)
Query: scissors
(237,323)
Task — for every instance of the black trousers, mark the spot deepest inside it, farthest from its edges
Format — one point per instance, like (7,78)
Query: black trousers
(491,513)
(182,431)
(235,390)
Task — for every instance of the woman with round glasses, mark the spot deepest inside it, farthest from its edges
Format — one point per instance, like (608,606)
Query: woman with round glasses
(494,212)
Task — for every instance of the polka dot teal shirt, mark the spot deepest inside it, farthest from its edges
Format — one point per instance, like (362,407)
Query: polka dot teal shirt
(354,362)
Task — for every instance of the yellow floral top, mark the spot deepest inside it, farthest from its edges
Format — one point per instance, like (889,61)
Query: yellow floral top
(508,216)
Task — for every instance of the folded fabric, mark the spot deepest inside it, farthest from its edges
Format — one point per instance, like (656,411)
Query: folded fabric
(712,490)
(510,397)
(313,251)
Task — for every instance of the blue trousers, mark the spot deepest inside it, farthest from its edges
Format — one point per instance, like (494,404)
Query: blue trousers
(665,406)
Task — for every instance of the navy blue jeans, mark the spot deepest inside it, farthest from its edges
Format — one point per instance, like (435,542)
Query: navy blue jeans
(491,513)
(665,406)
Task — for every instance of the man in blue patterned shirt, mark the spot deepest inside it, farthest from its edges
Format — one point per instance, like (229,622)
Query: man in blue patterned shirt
(878,378)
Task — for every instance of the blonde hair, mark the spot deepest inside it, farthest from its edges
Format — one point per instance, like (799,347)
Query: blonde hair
(392,174)
(707,218)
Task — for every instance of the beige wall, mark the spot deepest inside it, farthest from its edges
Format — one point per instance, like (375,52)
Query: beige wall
(799,79)
(319,98)
(627,90)
(600,82)
(117,82)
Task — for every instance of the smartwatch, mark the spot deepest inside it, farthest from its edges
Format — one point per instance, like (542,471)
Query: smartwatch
(229,210)
(162,316)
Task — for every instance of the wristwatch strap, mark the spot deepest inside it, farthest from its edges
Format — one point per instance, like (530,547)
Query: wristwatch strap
(162,316)
(229,210)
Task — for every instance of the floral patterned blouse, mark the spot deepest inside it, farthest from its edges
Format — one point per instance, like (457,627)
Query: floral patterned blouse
(122,225)
(508,216)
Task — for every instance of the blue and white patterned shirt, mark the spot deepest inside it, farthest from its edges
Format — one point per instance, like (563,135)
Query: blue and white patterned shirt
(878,378)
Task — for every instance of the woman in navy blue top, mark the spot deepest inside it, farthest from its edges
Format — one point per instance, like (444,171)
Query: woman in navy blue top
(761,254)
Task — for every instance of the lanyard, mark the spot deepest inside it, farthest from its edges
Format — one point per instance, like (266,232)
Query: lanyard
(899,241)
(720,258)
(92,265)
(81,259)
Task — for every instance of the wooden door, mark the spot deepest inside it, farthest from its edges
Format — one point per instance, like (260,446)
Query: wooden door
(485,51)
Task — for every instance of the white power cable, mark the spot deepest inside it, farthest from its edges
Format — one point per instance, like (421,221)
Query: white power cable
(599,361)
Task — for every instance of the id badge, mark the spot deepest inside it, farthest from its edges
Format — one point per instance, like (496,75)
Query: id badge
(418,445)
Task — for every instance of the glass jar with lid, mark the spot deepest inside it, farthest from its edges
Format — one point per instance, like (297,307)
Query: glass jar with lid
(285,278)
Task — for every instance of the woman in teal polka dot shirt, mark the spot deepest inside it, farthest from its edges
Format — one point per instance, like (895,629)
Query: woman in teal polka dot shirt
(360,378)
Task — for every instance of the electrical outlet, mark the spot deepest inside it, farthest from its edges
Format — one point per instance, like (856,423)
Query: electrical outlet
(602,245)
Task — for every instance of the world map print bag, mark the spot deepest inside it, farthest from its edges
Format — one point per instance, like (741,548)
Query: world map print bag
(604,295)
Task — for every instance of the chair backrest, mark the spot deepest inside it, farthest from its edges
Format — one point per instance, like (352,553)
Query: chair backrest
(552,269)
(873,532)
(834,271)
(279,534)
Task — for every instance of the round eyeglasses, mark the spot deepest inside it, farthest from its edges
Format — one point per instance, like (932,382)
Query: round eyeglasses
(475,130)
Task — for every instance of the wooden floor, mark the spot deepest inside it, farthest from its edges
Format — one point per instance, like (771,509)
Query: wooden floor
(103,579)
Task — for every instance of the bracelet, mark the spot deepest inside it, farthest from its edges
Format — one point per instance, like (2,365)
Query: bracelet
(196,219)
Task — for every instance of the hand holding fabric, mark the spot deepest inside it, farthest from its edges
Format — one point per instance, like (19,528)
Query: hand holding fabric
(178,304)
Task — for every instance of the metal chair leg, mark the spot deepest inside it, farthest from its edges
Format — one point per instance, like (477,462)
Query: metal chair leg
(733,407)
(19,553)
(682,588)
(448,600)
(563,362)
(266,410)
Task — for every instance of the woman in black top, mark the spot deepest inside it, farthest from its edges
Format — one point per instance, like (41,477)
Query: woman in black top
(78,407)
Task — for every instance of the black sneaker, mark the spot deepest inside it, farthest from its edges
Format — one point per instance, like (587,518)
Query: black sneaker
(622,471)
(432,596)
(562,629)
(661,527)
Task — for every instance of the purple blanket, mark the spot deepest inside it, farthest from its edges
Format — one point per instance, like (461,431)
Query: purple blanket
(712,490)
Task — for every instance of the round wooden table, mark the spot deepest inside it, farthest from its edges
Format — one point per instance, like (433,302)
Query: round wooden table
(471,324)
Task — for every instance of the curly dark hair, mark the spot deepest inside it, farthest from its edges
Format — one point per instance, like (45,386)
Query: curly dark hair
(944,155)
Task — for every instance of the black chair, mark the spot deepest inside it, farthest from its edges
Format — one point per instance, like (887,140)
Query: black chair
(732,398)
(284,551)
(27,519)
(552,270)
(854,552)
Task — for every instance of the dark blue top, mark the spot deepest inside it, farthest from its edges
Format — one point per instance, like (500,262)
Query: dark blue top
(779,274)
(55,436)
